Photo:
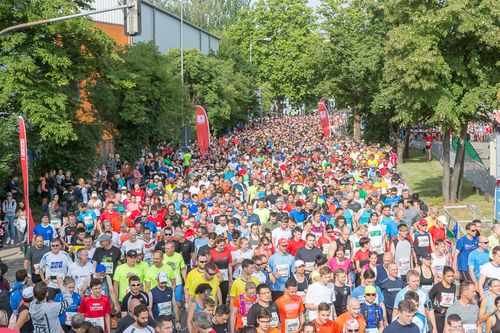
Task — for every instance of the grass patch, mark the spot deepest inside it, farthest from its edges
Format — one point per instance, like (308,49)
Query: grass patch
(425,178)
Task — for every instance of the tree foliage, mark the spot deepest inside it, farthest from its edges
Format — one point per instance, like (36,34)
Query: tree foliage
(284,39)
(139,100)
(41,71)
(226,93)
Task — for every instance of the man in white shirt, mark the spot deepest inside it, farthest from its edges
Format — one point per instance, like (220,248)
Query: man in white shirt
(321,291)
(282,232)
(81,269)
(141,325)
(133,243)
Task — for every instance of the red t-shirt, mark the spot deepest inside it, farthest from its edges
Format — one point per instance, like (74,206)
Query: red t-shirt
(106,215)
(221,259)
(437,233)
(362,256)
(294,246)
(139,194)
(93,308)
(158,221)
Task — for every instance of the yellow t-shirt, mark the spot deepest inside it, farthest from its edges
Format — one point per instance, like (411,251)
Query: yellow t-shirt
(238,286)
(122,274)
(152,272)
(494,241)
(199,279)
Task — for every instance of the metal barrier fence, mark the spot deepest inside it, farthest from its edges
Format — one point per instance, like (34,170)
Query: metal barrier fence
(464,215)
(473,171)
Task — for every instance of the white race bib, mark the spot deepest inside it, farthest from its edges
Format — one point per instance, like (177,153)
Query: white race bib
(98,322)
(309,264)
(225,274)
(292,325)
(283,270)
(56,223)
(427,287)
(36,269)
(371,330)
(470,328)
(244,320)
(447,299)
(404,265)
(109,267)
(326,247)
(69,315)
(165,308)
(274,319)
(423,241)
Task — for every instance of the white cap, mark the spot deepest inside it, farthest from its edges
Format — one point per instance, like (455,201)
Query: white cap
(298,263)
(442,219)
(28,292)
(162,277)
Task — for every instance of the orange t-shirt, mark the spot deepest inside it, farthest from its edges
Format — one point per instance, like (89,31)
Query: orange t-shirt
(345,317)
(237,304)
(290,310)
(330,327)
(116,223)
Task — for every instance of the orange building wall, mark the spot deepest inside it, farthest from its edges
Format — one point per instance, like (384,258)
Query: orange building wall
(115,31)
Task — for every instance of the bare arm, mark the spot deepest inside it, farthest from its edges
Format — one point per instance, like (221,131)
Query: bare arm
(480,284)
(23,318)
(190,317)
(432,319)
(234,313)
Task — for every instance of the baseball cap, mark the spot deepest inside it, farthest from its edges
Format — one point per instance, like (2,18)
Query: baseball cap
(28,292)
(422,222)
(131,253)
(298,263)
(162,277)
(100,268)
(370,290)
(426,256)
(121,209)
(103,238)
(442,219)
(283,241)
(123,188)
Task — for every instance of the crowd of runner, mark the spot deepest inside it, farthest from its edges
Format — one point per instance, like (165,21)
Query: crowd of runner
(275,229)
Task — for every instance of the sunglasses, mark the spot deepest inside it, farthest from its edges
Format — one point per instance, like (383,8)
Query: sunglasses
(487,242)
(210,273)
(135,285)
(352,330)
(55,245)
(168,234)
(202,262)
(371,295)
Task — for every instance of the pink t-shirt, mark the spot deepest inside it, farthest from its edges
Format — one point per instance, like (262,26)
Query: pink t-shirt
(334,265)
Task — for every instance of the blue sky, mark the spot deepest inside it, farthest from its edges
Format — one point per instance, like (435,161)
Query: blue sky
(314,3)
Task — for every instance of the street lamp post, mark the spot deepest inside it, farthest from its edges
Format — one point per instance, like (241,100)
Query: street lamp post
(259,90)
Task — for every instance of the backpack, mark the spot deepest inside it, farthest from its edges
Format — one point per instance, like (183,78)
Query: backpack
(377,312)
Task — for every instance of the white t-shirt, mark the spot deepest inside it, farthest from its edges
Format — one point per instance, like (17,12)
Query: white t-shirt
(279,233)
(376,234)
(138,245)
(79,273)
(238,254)
(219,229)
(318,293)
(490,271)
(133,329)
(55,265)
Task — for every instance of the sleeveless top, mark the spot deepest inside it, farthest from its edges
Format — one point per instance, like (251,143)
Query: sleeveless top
(494,329)
(402,255)
(422,243)
(365,216)
(426,282)
(347,246)
(438,263)
(28,326)
(253,242)
(162,301)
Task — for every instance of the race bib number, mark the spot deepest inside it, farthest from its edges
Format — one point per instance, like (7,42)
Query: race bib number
(423,241)
(69,316)
(347,253)
(375,233)
(371,330)
(244,320)
(98,322)
(165,308)
(292,325)
(56,223)
(274,319)
(309,264)
(283,270)
(404,265)
(36,269)
(109,267)
(470,328)
(326,247)
(447,299)
(225,274)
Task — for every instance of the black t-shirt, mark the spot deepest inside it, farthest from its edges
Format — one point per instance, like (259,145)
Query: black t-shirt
(107,258)
(301,286)
(160,246)
(220,328)
(442,297)
(308,255)
(142,297)
(341,297)
(390,288)
(185,249)
(396,327)
(252,313)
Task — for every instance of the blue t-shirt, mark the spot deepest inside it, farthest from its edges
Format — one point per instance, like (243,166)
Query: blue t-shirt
(281,264)
(359,293)
(299,217)
(77,299)
(390,289)
(371,316)
(396,327)
(47,232)
(391,226)
(424,301)
(89,219)
(465,246)
(478,258)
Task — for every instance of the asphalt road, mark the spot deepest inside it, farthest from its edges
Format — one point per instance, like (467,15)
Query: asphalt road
(13,260)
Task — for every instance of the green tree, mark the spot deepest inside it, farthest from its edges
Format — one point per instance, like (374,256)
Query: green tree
(139,100)
(214,83)
(442,69)
(353,56)
(284,42)
(41,71)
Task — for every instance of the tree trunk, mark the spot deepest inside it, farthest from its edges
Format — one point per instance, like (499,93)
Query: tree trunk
(406,142)
(456,179)
(445,187)
(402,144)
(356,124)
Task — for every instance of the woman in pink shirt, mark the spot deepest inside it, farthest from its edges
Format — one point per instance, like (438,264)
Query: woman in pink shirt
(339,260)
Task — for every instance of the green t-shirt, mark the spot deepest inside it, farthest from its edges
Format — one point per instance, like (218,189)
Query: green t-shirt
(176,263)
(152,272)
(187,159)
(122,274)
